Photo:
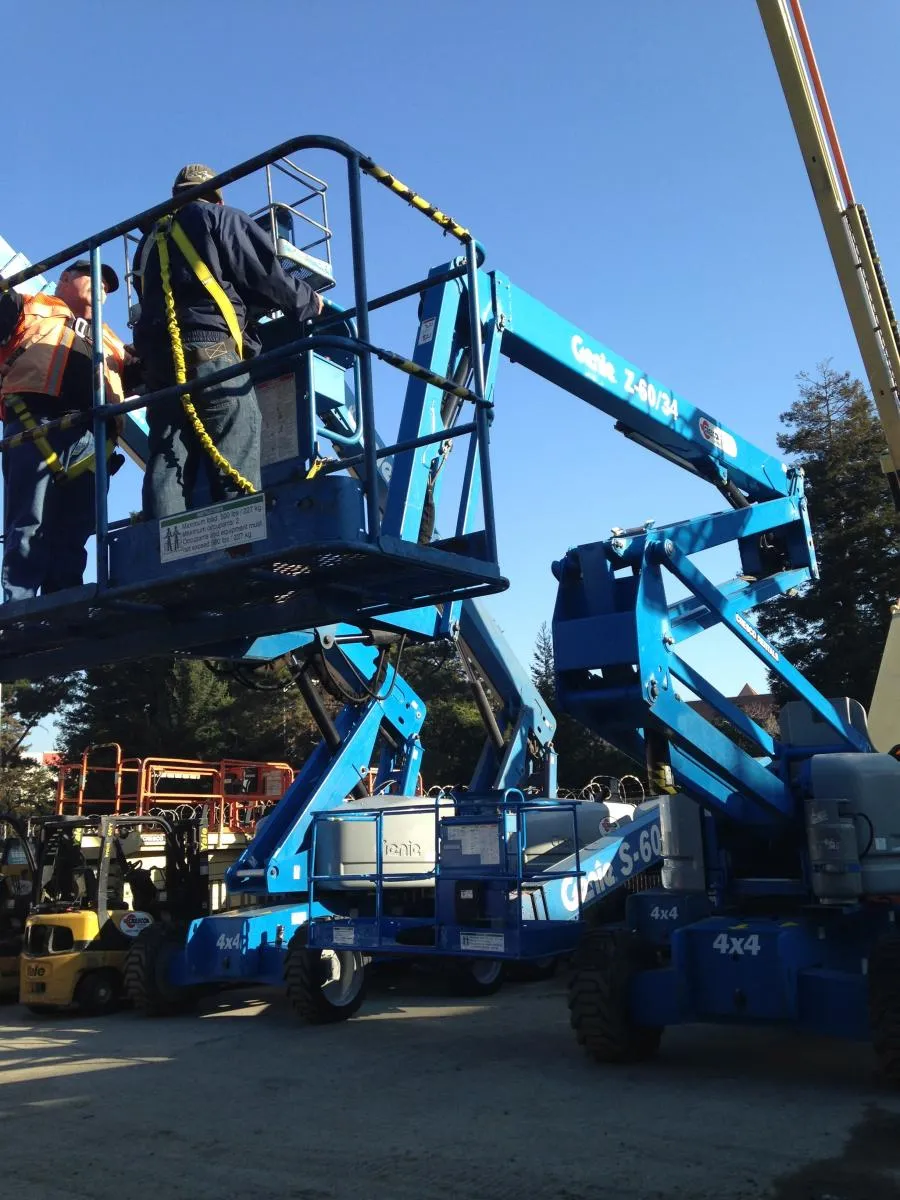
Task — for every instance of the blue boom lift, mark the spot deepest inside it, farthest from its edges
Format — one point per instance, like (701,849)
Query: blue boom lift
(777,856)
(779,861)
(319,394)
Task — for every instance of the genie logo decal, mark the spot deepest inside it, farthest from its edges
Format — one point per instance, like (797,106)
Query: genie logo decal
(720,438)
(594,360)
(400,849)
(636,851)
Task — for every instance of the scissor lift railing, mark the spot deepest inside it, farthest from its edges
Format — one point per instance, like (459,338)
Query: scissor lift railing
(235,793)
(313,551)
(488,891)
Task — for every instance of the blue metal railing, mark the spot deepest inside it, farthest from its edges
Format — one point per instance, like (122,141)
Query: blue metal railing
(359,346)
(512,872)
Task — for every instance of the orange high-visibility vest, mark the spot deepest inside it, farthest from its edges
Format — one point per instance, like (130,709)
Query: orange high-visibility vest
(36,354)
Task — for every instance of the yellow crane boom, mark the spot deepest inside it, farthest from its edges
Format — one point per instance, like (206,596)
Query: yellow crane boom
(861,279)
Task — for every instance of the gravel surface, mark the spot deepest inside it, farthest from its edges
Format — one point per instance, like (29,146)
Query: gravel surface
(420,1096)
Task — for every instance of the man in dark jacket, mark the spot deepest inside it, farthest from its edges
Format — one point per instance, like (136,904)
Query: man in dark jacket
(207,238)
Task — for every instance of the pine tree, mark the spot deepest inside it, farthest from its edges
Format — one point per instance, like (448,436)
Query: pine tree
(542,665)
(453,734)
(162,706)
(180,708)
(834,630)
(268,720)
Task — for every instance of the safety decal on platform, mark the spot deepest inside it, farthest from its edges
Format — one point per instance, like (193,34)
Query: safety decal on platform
(490,943)
(232,523)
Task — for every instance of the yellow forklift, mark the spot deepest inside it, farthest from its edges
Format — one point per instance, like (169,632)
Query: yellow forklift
(17,868)
(98,882)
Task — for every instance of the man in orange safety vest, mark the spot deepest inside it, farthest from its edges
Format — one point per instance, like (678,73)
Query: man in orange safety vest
(48,483)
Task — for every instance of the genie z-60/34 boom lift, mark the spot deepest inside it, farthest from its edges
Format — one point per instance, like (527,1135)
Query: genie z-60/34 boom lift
(777,862)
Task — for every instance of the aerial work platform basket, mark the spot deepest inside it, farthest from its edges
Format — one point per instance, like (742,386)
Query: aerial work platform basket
(316,545)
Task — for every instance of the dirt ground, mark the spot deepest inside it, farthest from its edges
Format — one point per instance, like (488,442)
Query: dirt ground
(422,1097)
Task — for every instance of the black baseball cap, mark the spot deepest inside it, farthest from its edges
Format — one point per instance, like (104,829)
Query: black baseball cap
(107,274)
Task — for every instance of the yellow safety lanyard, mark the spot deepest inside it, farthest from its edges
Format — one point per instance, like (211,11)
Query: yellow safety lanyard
(168,227)
(210,283)
(60,473)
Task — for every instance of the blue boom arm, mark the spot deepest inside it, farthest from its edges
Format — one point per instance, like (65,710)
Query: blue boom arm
(616,636)
(518,749)
(646,410)
(276,859)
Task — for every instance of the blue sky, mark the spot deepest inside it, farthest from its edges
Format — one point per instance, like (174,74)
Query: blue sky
(629,162)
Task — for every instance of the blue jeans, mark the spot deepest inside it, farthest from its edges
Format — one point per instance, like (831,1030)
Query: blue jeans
(230,414)
(46,525)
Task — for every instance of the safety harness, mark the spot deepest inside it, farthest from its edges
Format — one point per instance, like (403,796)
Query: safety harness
(58,472)
(48,327)
(168,227)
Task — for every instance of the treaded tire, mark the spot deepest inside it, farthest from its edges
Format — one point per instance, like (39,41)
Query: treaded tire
(305,974)
(145,971)
(603,967)
(884,1004)
(99,993)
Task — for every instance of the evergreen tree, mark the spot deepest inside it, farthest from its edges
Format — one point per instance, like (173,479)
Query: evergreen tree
(180,708)
(834,630)
(453,735)
(268,720)
(26,787)
(161,706)
(542,665)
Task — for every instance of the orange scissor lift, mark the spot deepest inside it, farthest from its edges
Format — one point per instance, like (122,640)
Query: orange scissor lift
(229,796)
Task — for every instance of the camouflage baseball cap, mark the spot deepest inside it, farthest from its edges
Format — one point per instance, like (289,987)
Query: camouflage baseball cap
(193,175)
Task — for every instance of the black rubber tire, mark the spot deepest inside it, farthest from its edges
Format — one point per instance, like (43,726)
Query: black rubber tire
(884,1005)
(99,993)
(145,971)
(603,967)
(537,970)
(490,976)
(305,975)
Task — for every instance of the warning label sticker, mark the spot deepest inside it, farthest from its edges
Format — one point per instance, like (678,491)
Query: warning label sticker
(492,943)
(232,523)
(278,405)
